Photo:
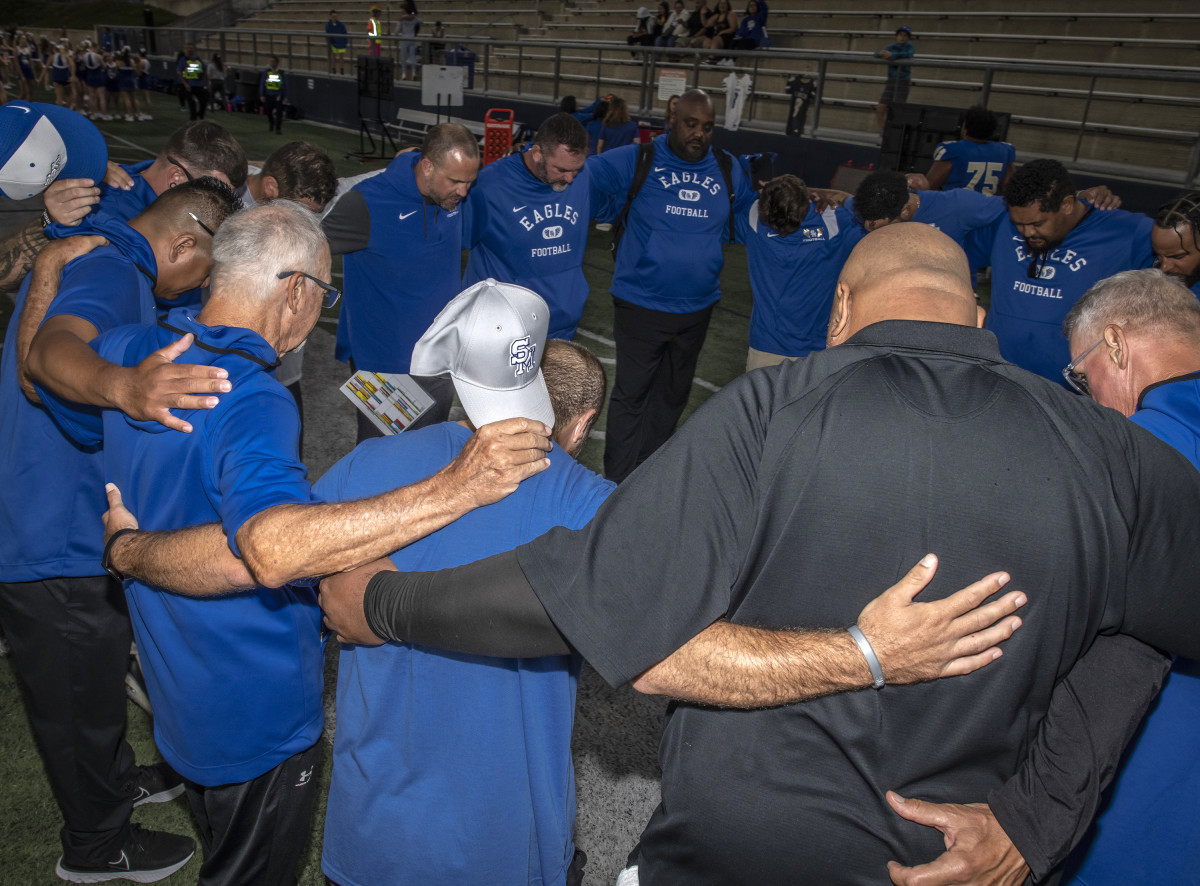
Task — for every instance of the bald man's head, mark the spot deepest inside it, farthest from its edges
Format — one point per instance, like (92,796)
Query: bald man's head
(905,271)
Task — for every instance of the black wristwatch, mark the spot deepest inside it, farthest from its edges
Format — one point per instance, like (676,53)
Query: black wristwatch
(106,558)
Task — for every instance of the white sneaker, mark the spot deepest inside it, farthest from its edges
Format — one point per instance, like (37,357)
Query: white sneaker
(726,62)
(128,118)
(145,117)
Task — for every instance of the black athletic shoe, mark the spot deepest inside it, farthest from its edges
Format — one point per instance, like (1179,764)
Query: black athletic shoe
(148,857)
(153,784)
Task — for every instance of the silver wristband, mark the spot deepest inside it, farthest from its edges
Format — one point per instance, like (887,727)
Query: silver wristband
(864,646)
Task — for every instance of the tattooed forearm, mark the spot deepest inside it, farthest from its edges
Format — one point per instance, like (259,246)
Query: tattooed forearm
(18,252)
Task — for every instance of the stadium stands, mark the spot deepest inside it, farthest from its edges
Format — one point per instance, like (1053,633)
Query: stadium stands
(1124,73)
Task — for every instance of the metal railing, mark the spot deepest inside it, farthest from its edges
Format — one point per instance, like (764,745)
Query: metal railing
(545,70)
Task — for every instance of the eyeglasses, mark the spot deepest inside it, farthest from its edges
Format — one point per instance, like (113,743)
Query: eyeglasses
(332,294)
(207,229)
(1078,382)
(175,162)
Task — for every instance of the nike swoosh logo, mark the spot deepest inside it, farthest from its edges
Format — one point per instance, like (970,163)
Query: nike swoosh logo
(405,215)
(660,169)
(518,208)
(772,235)
(121,863)
(22,110)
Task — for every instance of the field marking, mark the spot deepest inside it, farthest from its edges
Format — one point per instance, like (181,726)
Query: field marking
(133,145)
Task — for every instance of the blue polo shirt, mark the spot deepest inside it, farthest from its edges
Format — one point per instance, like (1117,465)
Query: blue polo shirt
(126,204)
(1148,831)
(451,769)
(235,680)
(51,489)
(793,277)
(520,230)
(670,257)
(406,274)
(975,166)
(1026,313)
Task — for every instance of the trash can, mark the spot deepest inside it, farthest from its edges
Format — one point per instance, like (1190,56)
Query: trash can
(462,57)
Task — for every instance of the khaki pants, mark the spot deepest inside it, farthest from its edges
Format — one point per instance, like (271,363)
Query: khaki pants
(759,359)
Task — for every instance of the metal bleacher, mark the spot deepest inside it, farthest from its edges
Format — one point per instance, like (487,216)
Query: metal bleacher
(1094,83)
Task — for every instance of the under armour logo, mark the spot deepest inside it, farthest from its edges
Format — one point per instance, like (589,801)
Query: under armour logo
(521,355)
(305,777)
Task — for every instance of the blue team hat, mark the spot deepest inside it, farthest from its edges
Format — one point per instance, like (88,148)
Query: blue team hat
(905,28)
(40,142)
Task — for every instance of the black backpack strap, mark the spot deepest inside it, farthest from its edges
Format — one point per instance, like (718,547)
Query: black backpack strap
(725,161)
(641,171)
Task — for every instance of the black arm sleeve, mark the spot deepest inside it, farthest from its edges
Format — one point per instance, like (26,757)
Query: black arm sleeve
(347,227)
(1094,712)
(483,608)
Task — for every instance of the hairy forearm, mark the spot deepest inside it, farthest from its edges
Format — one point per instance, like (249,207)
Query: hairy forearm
(295,541)
(42,289)
(195,561)
(18,252)
(739,666)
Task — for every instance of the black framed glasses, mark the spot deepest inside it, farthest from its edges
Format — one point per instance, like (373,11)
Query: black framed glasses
(1079,382)
(332,293)
(207,229)
(175,162)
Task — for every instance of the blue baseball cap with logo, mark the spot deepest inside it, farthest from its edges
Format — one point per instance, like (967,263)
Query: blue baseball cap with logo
(40,143)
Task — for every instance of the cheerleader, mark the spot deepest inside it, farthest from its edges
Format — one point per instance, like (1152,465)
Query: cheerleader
(25,72)
(143,82)
(62,73)
(127,84)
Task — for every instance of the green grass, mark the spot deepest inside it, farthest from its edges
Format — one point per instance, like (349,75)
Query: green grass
(42,14)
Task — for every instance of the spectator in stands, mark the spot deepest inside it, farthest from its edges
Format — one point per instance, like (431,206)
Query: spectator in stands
(795,255)
(649,26)
(676,26)
(335,30)
(976,160)
(436,49)
(418,757)
(393,294)
(751,31)
(193,80)
(670,112)
(407,27)
(899,77)
(719,29)
(273,94)
(618,130)
(1176,240)
(696,25)
(374,33)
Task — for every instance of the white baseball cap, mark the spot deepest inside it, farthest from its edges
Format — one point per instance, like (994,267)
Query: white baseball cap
(491,338)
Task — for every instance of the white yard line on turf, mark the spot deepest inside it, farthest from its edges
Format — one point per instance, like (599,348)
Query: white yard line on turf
(133,145)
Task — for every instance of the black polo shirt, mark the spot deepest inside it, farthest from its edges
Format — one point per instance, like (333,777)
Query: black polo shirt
(797,494)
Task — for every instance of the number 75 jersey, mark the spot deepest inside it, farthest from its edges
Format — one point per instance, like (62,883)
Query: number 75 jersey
(979,167)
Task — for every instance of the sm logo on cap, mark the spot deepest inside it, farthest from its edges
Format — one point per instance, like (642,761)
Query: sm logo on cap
(521,355)
(552,233)
(689,196)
